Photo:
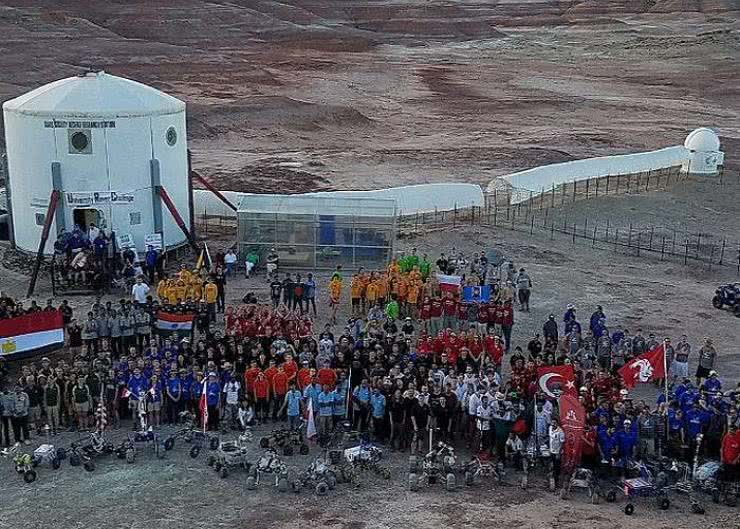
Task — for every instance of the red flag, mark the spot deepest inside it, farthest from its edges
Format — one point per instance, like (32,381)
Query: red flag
(645,368)
(556,377)
(573,420)
(203,404)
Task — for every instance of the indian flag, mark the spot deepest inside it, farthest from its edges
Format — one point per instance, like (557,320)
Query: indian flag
(448,283)
(31,333)
(167,321)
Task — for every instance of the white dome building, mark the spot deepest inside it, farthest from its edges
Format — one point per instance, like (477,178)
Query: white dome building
(104,143)
(704,156)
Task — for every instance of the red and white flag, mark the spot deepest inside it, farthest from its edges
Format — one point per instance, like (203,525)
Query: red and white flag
(644,368)
(203,404)
(167,321)
(573,421)
(449,283)
(31,334)
(554,378)
(311,431)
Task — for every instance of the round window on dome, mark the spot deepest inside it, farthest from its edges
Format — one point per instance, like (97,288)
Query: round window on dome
(80,142)
(171,136)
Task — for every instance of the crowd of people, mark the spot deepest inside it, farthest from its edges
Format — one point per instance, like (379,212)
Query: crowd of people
(413,357)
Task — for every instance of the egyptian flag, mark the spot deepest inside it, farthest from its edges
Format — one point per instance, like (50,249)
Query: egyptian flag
(31,334)
(573,421)
(167,321)
(449,283)
(552,378)
(644,368)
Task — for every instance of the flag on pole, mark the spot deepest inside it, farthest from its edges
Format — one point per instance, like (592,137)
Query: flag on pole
(311,431)
(644,368)
(203,405)
(573,420)
(448,283)
(553,378)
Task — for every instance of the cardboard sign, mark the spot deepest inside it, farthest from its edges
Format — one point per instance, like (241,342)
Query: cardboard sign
(154,240)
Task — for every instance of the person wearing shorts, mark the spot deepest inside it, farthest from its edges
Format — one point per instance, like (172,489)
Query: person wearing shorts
(81,402)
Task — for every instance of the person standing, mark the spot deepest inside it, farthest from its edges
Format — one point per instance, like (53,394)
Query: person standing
(524,289)
(150,263)
(557,440)
(210,292)
(326,413)
(139,291)
(309,293)
(220,280)
(707,357)
(213,401)
(231,406)
(292,403)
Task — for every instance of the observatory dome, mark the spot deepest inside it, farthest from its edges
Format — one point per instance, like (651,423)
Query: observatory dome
(703,139)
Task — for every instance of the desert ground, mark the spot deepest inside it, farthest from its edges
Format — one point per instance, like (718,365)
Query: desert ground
(297,96)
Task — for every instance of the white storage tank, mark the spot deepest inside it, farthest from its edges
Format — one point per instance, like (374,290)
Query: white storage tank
(103,142)
(704,156)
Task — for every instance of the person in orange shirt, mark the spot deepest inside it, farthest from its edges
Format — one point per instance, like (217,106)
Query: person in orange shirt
(250,375)
(279,388)
(261,394)
(355,291)
(305,375)
(364,281)
(335,294)
(412,298)
(393,268)
(415,275)
(382,289)
(211,295)
(326,375)
(371,292)
(271,371)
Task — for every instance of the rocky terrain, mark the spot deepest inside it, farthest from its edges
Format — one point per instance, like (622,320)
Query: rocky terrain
(303,95)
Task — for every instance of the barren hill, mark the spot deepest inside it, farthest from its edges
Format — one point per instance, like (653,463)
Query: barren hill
(376,93)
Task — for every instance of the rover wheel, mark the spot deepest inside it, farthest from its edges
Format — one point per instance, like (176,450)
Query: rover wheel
(629,509)
(29,476)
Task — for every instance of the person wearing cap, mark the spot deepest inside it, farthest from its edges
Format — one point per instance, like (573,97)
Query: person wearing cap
(707,357)
(213,401)
(627,443)
(713,385)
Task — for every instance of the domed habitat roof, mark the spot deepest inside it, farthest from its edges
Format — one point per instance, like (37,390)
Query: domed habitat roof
(94,94)
(702,139)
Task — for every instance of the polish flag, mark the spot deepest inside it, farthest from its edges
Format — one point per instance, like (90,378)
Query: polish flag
(448,283)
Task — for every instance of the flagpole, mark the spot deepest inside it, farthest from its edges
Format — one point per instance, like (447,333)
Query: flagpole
(665,371)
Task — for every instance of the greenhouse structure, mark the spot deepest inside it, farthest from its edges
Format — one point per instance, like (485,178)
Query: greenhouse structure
(318,232)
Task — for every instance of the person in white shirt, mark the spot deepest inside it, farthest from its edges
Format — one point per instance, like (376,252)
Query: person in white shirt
(230,262)
(515,450)
(557,439)
(231,406)
(484,413)
(139,291)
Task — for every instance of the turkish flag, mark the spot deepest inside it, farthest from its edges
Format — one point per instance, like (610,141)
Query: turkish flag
(556,377)
(573,420)
(645,368)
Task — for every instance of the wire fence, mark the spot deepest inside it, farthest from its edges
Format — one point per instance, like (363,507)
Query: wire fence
(545,213)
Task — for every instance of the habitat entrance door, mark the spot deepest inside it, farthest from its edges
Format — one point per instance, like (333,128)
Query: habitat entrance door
(83,217)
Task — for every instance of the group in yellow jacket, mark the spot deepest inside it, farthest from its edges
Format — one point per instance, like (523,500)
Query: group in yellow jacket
(186,285)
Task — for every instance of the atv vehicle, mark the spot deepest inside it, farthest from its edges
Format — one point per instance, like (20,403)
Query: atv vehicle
(728,296)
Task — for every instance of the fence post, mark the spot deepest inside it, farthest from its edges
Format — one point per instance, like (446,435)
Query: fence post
(639,239)
(616,191)
(652,232)
(585,226)
(647,181)
(686,253)
(616,240)
(593,239)
(588,183)
(607,183)
(722,252)
(574,233)
(562,194)
(629,237)
(711,257)
(575,183)
(698,244)
(606,236)
(416,222)
(552,236)
(597,186)
(553,196)
(673,248)
(542,197)
(531,226)
(662,249)
(495,214)
(629,183)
